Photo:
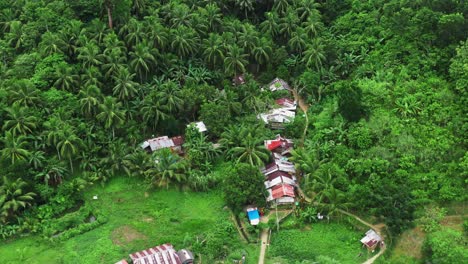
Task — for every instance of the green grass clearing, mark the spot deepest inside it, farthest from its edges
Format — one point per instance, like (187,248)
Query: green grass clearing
(335,240)
(136,221)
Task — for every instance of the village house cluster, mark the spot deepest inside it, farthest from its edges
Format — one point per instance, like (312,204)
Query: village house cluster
(280,179)
(285,109)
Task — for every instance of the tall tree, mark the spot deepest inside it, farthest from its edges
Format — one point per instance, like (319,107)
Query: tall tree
(90,98)
(314,54)
(13,197)
(213,49)
(235,60)
(111,114)
(19,120)
(167,169)
(142,58)
(69,146)
(184,41)
(14,147)
(251,151)
(125,88)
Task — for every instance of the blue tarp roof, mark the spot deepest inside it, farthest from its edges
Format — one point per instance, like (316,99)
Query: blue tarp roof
(253,215)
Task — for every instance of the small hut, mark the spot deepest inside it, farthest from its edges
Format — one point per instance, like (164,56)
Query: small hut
(371,240)
(185,256)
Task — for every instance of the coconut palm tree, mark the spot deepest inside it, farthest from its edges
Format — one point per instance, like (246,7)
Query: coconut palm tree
(298,40)
(91,76)
(170,96)
(251,151)
(37,159)
(111,114)
(313,26)
(135,33)
(270,25)
(54,132)
(69,35)
(89,54)
(14,147)
(19,120)
(142,58)
(235,60)
(181,15)
(168,168)
(306,8)
(66,79)
(314,54)
(281,6)
(24,93)
(212,15)
(113,60)
(152,111)
(51,43)
(245,5)
(247,38)
(53,173)
(156,32)
(288,24)
(184,41)
(213,49)
(262,51)
(90,98)
(13,198)
(15,37)
(69,146)
(125,88)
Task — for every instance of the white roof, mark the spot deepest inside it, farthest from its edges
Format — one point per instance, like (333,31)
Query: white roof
(278,84)
(371,235)
(158,143)
(279,180)
(279,115)
(200,126)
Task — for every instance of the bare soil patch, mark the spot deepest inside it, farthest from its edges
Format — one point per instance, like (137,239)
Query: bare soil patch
(125,234)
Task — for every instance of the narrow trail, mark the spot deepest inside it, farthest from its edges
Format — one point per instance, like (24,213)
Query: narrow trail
(304,107)
(239,228)
(377,228)
(265,233)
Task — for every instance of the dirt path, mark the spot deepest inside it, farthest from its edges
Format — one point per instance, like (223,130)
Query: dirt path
(377,228)
(239,228)
(265,233)
(263,240)
(304,107)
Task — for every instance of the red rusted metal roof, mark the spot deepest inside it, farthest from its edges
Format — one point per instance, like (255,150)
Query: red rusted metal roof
(282,190)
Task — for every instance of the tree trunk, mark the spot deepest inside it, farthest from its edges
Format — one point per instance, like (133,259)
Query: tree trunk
(109,15)
(71,164)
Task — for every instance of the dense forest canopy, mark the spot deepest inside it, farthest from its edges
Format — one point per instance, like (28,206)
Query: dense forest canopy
(83,83)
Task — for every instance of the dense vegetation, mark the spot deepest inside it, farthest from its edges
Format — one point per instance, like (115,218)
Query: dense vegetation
(83,83)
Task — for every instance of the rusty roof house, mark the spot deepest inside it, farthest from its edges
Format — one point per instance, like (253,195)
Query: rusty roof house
(162,254)
(278,84)
(154,144)
(280,180)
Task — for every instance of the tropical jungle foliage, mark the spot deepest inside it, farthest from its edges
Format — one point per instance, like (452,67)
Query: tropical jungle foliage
(83,83)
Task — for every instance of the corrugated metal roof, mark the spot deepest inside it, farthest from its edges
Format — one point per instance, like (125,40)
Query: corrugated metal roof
(278,84)
(163,254)
(282,190)
(200,126)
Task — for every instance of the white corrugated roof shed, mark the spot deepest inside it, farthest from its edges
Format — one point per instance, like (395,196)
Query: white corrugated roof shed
(200,126)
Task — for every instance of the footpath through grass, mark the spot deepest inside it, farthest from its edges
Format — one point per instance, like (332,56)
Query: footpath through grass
(136,221)
(334,240)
